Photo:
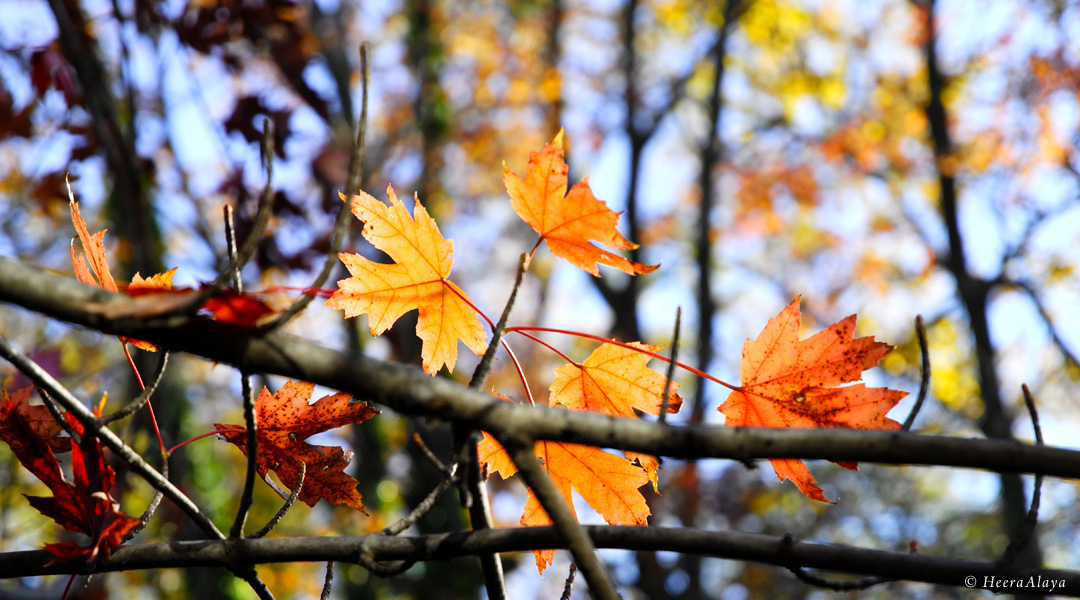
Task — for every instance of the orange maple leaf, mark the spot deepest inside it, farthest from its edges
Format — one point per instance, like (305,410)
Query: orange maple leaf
(82,504)
(94,248)
(568,222)
(416,279)
(159,282)
(98,274)
(285,420)
(609,483)
(792,383)
(614,381)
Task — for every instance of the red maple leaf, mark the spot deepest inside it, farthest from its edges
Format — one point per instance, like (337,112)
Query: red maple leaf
(285,420)
(39,419)
(82,505)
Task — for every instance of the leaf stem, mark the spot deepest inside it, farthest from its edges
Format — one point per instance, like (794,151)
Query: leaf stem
(520,372)
(465,299)
(698,372)
(149,406)
(518,330)
(199,437)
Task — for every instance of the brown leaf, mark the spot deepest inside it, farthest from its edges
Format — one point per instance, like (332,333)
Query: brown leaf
(285,420)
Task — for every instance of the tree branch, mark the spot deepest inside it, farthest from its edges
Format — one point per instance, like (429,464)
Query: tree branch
(408,390)
(760,548)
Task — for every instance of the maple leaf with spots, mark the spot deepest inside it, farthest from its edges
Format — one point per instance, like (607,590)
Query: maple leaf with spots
(794,384)
(284,421)
(568,222)
(416,280)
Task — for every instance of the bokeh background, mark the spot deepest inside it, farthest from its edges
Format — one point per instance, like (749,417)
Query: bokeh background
(886,158)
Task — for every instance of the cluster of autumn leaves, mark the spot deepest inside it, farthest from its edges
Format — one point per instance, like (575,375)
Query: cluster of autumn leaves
(785,382)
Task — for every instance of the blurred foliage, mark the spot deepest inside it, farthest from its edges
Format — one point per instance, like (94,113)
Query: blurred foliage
(825,185)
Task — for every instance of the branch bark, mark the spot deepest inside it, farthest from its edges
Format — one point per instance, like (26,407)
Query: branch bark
(767,549)
(408,390)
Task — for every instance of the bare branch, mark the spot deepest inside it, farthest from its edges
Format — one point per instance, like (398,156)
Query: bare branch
(408,390)
(754,547)
(284,507)
(924,384)
(352,185)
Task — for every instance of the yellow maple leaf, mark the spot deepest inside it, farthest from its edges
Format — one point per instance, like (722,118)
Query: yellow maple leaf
(416,280)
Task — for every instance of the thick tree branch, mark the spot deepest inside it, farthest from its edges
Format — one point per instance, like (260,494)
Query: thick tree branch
(754,547)
(407,390)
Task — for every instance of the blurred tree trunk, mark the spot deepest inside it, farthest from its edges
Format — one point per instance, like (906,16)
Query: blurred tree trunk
(996,421)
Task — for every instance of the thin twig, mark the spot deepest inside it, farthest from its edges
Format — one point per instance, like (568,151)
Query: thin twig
(364,559)
(581,547)
(144,396)
(285,507)
(262,217)
(924,384)
(385,571)
(832,584)
(837,585)
(352,184)
(328,581)
(252,441)
(54,410)
(421,509)
(482,369)
(250,419)
(568,586)
(45,381)
(671,366)
(431,455)
(1023,534)
(150,508)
